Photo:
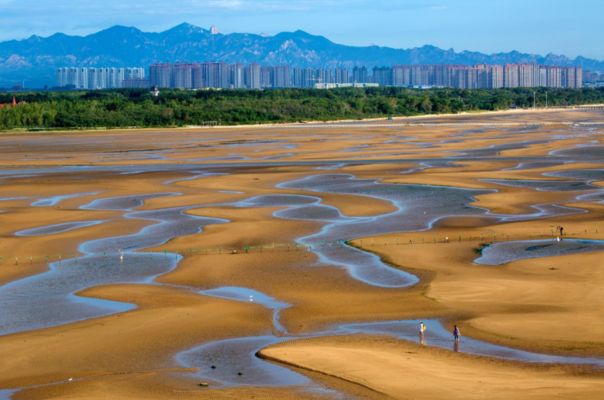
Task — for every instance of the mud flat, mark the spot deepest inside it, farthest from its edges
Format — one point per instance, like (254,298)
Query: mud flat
(297,261)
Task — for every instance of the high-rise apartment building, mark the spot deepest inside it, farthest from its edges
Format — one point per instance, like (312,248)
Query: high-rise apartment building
(360,75)
(183,76)
(554,77)
(236,76)
(542,81)
(496,79)
(342,75)
(266,77)
(572,78)
(382,76)
(526,75)
(281,77)
(97,78)
(303,77)
(578,77)
(252,76)
(161,75)
(401,75)
(510,76)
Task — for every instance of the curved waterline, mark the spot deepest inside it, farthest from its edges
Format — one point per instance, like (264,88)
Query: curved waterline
(49,299)
(57,228)
(308,210)
(330,250)
(213,359)
(235,362)
(505,252)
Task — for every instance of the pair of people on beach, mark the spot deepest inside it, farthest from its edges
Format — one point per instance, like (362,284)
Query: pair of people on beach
(422,330)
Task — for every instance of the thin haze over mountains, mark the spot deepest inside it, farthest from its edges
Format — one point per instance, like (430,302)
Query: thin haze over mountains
(34,60)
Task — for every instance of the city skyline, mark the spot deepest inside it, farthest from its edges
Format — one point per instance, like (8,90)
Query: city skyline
(538,27)
(254,76)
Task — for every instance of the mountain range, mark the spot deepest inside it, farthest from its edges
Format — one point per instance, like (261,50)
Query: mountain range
(34,60)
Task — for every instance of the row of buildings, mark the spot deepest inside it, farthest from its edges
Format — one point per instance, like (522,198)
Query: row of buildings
(239,76)
(101,78)
(480,76)
(254,76)
(593,79)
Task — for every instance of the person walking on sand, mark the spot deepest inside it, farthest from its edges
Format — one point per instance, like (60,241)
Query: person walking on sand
(422,330)
(456,332)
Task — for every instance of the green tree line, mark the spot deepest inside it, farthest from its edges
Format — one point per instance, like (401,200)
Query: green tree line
(138,108)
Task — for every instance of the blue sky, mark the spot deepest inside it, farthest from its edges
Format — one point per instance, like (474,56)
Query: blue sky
(570,27)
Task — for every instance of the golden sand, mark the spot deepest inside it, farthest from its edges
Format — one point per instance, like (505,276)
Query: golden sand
(549,304)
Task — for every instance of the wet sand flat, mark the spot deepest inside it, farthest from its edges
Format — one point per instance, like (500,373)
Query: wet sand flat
(400,370)
(328,220)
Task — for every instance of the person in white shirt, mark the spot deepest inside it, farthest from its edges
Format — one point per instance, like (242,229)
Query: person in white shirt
(422,330)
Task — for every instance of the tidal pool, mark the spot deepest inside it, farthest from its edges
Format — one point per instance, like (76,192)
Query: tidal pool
(57,228)
(417,208)
(235,361)
(54,200)
(49,299)
(504,252)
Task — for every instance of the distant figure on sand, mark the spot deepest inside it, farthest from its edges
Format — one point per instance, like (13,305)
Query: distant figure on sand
(422,330)
(456,332)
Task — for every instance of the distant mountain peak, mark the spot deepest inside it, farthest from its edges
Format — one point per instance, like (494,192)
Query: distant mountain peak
(119,29)
(186,28)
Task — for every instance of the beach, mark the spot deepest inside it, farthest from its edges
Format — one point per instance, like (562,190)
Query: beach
(296,261)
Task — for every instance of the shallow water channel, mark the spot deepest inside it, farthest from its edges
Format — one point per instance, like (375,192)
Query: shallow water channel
(50,299)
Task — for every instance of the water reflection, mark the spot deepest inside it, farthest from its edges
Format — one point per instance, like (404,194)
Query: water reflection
(422,339)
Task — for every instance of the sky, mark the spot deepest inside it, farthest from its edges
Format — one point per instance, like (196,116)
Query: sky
(568,27)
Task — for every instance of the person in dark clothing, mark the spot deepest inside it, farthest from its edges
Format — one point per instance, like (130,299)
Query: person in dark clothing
(456,332)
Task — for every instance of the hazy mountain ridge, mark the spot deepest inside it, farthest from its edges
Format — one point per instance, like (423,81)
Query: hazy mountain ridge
(35,59)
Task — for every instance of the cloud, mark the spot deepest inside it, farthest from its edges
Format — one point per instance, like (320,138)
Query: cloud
(228,4)
(268,5)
